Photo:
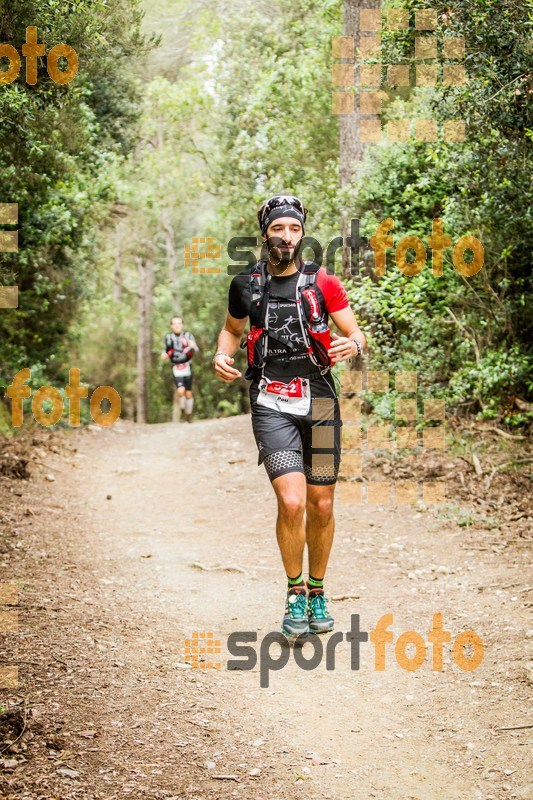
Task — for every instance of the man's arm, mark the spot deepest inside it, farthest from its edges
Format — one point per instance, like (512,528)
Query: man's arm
(192,342)
(168,346)
(344,346)
(228,343)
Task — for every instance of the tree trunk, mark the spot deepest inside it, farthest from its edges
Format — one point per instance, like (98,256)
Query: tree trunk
(168,230)
(144,334)
(351,148)
(172,263)
(117,278)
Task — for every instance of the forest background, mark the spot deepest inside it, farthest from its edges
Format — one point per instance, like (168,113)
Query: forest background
(183,117)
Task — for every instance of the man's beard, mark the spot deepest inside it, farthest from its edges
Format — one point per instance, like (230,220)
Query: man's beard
(279,255)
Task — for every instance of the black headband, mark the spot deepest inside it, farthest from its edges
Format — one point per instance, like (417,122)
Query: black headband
(281,205)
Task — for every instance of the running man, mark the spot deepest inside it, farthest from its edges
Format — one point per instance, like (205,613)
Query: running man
(180,346)
(295,411)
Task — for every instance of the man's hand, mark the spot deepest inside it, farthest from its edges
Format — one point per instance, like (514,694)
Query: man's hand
(164,356)
(224,371)
(342,349)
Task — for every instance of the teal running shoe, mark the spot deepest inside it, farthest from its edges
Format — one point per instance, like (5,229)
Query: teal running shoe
(320,620)
(295,622)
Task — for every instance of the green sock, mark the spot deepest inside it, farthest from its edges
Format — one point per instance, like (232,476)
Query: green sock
(315,583)
(299,581)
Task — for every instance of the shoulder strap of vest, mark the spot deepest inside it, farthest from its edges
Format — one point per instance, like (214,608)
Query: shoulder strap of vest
(258,284)
(257,281)
(311,271)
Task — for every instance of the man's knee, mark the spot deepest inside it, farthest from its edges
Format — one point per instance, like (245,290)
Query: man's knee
(291,504)
(321,505)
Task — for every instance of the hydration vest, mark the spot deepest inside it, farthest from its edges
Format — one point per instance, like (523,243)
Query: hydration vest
(179,347)
(312,314)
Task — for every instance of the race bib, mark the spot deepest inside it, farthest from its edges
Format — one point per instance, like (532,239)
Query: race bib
(291,398)
(182,370)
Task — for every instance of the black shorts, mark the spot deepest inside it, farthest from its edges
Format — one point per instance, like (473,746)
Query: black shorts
(180,381)
(315,437)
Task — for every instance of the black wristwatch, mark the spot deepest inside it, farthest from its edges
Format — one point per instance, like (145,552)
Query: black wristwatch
(359,348)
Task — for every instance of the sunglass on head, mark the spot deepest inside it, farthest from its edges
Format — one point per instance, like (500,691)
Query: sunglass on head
(283,200)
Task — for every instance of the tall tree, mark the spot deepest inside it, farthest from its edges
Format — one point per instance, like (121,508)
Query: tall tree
(59,144)
(145,266)
(351,146)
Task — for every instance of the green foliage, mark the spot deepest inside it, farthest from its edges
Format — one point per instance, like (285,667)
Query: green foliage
(5,420)
(465,518)
(59,145)
(488,382)
(469,338)
(131,162)
(273,120)
(203,162)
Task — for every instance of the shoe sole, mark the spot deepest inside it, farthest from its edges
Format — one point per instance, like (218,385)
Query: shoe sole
(294,634)
(322,629)
(296,639)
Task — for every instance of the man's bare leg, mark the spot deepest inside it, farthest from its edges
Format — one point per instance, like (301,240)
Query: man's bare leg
(319,529)
(290,531)
(178,407)
(189,401)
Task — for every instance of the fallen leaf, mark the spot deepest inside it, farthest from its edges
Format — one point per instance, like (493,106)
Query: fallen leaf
(68,773)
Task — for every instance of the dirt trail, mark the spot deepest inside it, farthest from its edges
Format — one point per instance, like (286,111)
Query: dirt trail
(105,554)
